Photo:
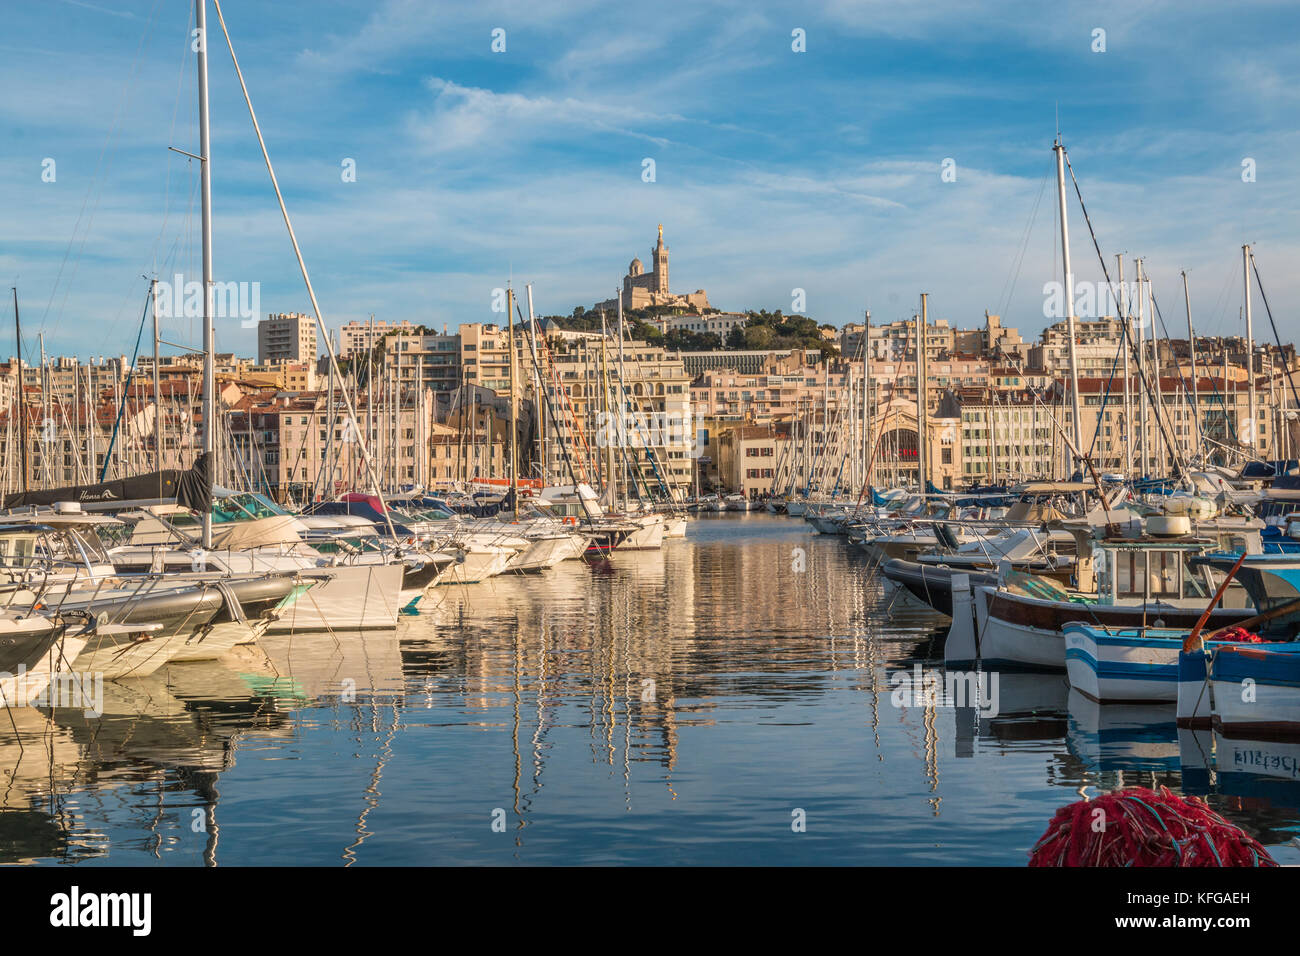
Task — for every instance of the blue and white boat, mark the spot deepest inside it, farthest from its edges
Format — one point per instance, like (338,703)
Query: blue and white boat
(1255,690)
(1136,665)
(1246,689)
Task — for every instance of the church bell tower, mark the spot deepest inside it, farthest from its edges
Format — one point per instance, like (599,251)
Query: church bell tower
(661,264)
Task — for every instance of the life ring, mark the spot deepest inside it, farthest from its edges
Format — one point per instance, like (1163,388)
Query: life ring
(570,520)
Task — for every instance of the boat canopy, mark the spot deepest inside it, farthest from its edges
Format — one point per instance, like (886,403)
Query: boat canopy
(192,488)
(1052,487)
(257,533)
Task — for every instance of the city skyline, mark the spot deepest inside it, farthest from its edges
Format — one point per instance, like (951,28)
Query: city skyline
(775,170)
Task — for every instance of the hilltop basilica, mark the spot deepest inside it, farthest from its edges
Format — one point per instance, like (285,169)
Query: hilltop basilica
(643,289)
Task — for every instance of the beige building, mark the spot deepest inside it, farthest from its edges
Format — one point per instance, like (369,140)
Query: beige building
(580,373)
(485,356)
(286,337)
(747,457)
(357,338)
(711,323)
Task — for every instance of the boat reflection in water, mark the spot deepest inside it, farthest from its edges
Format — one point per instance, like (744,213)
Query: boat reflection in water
(668,707)
(175,731)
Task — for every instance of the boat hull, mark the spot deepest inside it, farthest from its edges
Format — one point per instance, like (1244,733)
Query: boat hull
(33,653)
(347,597)
(932,584)
(1019,631)
(1123,666)
(1256,691)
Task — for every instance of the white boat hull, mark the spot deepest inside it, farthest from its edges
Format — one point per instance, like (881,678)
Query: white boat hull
(479,565)
(1137,670)
(1256,711)
(1004,643)
(127,655)
(348,597)
(543,553)
(649,537)
(28,684)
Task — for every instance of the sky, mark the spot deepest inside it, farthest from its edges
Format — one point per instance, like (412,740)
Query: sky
(775,169)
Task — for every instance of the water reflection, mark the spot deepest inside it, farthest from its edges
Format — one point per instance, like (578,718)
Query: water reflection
(678,706)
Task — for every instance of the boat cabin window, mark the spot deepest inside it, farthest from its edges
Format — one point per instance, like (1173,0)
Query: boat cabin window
(17,550)
(1139,574)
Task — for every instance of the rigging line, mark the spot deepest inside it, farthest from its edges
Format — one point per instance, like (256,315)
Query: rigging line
(1005,299)
(96,184)
(1277,338)
(1229,282)
(1101,413)
(302,264)
(1182,379)
(108,454)
(1128,335)
(171,137)
(111,326)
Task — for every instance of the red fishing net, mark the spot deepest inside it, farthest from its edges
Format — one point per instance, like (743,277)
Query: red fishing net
(1139,827)
(1238,634)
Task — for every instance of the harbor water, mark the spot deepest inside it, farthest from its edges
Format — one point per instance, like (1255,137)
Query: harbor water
(751,694)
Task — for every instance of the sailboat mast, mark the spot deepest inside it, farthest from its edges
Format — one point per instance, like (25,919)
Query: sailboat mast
(1059,149)
(622,407)
(157,390)
(21,399)
(47,475)
(608,490)
(1250,351)
(205,167)
(1142,374)
(514,415)
(921,374)
(538,386)
(1128,375)
(1191,351)
(866,399)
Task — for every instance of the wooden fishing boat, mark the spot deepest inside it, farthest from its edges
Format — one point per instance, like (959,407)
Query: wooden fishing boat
(1140,582)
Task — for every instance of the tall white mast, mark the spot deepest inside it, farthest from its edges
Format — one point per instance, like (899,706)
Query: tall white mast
(514,401)
(866,398)
(1123,305)
(921,375)
(1191,351)
(622,411)
(157,400)
(205,168)
(538,398)
(1250,351)
(1069,293)
(1142,374)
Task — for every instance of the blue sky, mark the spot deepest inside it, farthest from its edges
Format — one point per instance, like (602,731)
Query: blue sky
(775,170)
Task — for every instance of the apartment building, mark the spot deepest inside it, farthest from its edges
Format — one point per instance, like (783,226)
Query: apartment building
(286,337)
